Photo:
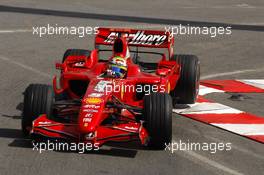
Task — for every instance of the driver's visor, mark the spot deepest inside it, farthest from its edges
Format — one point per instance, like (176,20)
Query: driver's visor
(119,69)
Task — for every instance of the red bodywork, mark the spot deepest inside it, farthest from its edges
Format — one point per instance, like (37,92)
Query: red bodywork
(95,102)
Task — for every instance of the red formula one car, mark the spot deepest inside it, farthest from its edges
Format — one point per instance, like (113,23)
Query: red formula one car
(90,106)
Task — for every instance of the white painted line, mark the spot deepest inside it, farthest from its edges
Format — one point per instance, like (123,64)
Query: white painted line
(29,68)
(208,108)
(212,163)
(239,148)
(256,83)
(253,23)
(231,73)
(243,129)
(244,5)
(203,90)
(15,31)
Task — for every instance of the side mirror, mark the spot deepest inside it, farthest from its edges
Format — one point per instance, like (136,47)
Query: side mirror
(59,66)
(163,72)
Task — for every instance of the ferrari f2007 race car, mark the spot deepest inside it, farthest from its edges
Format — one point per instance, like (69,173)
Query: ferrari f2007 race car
(91,105)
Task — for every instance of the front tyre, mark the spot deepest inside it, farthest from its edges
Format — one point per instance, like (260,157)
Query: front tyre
(38,99)
(158,119)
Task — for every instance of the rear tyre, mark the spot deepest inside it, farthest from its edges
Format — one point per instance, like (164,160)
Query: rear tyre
(38,99)
(76,52)
(158,119)
(187,88)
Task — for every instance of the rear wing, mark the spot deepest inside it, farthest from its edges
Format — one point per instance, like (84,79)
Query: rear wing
(140,38)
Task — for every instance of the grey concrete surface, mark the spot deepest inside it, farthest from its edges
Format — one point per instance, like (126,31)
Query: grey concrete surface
(27,58)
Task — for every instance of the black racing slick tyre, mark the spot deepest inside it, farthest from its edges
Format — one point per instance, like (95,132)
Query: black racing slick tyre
(158,119)
(38,99)
(75,52)
(187,87)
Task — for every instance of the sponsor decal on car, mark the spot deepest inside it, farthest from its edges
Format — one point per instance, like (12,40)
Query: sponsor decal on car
(93,100)
(44,123)
(88,115)
(87,120)
(90,110)
(139,38)
(95,95)
(91,106)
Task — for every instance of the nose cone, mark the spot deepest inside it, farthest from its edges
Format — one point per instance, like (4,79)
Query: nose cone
(87,121)
(90,113)
(93,103)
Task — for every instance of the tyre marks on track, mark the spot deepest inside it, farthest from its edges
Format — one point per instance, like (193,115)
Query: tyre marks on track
(26,67)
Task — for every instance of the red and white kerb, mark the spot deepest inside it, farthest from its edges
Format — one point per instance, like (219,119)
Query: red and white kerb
(223,116)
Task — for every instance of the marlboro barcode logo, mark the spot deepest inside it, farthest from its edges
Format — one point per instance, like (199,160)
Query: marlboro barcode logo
(139,38)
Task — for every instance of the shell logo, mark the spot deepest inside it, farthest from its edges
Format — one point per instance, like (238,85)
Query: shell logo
(93,100)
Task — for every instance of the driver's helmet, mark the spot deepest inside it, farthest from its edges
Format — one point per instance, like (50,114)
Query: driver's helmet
(117,67)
